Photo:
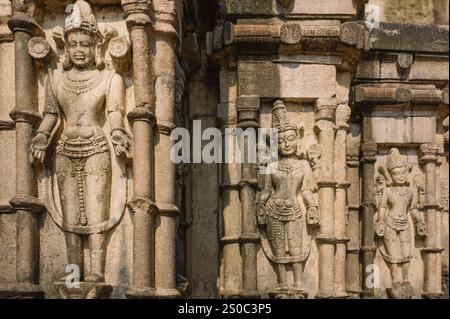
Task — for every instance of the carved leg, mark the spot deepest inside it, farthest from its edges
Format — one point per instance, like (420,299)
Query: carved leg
(294,234)
(98,192)
(276,234)
(406,251)
(75,256)
(67,183)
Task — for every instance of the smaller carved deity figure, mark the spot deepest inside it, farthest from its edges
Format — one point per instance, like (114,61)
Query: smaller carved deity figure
(281,215)
(88,102)
(396,202)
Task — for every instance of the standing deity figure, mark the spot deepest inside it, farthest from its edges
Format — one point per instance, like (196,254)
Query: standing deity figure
(396,202)
(281,215)
(88,103)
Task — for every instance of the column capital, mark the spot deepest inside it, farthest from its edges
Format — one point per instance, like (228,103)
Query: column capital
(428,152)
(25,23)
(25,115)
(247,107)
(325,108)
(138,12)
(343,112)
(369,150)
(141,113)
(143,205)
(166,19)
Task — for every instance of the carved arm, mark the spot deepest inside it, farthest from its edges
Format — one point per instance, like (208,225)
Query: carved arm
(116,111)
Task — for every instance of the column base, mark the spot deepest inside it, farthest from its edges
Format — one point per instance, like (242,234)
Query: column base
(152,293)
(20,291)
(325,295)
(433,295)
(367,295)
(86,290)
(230,294)
(249,294)
(286,293)
(400,290)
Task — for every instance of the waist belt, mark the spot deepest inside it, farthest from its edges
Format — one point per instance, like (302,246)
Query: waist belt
(82,147)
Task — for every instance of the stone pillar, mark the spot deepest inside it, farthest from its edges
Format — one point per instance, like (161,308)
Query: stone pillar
(247,107)
(164,66)
(340,204)
(142,119)
(432,251)
(325,111)
(231,212)
(368,249)
(25,202)
(353,274)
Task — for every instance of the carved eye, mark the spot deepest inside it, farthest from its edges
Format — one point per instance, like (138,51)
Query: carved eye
(291,138)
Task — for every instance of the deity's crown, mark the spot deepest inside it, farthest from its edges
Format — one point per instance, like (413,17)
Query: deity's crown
(395,160)
(280,119)
(82,18)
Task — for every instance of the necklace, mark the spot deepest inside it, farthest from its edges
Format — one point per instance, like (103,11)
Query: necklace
(80,83)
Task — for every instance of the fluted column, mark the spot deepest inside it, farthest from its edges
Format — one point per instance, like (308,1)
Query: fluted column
(353,273)
(247,107)
(25,202)
(340,204)
(231,212)
(165,42)
(325,111)
(432,251)
(368,249)
(142,119)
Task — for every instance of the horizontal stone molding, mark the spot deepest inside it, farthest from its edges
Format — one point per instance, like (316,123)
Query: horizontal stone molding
(396,37)
(168,209)
(26,115)
(7,125)
(389,95)
(27,203)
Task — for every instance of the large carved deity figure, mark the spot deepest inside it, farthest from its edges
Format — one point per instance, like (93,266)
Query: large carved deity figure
(397,207)
(86,102)
(285,202)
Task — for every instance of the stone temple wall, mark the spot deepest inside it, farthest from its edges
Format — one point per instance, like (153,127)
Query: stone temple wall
(93,90)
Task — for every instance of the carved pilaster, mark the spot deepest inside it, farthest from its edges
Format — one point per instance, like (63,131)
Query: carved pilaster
(368,249)
(142,118)
(247,108)
(231,211)
(343,112)
(165,43)
(353,273)
(26,118)
(325,112)
(432,251)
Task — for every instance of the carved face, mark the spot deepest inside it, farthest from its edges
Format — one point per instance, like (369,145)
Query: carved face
(399,175)
(287,143)
(81,49)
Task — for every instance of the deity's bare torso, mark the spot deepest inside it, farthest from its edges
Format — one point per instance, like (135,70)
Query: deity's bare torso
(82,106)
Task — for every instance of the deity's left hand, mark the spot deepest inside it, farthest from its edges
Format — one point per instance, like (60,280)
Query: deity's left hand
(421,228)
(121,142)
(312,216)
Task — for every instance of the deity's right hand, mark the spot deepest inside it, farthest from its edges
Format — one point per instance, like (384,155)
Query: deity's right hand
(38,148)
(380,228)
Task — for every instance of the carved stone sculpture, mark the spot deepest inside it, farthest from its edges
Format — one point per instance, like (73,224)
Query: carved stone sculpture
(83,175)
(397,206)
(280,213)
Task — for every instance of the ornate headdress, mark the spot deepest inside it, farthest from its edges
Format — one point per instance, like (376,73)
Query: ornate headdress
(280,118)
(395,160)
(82,18)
